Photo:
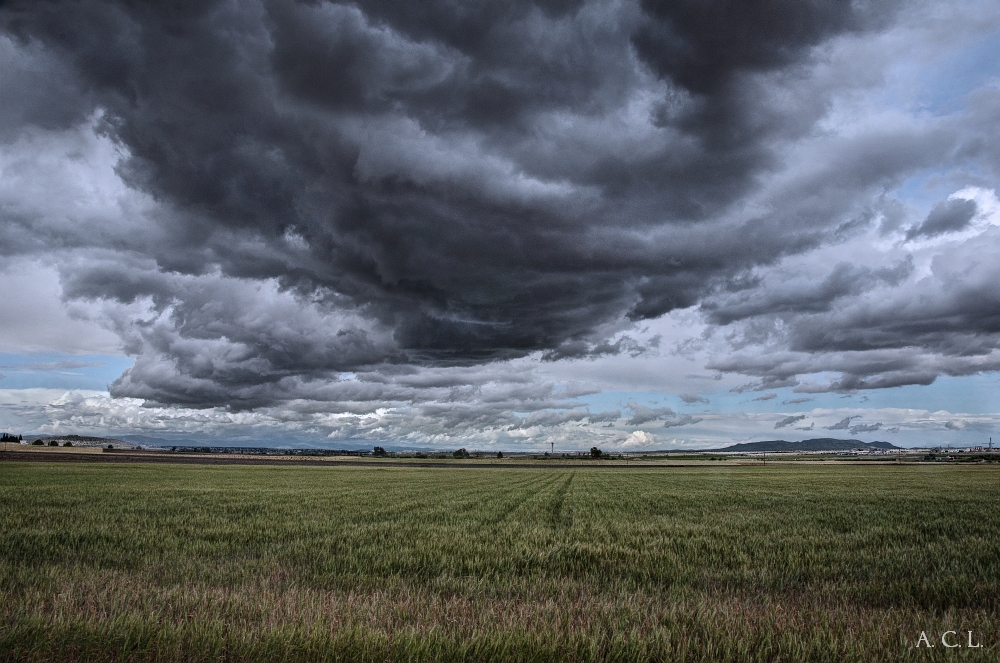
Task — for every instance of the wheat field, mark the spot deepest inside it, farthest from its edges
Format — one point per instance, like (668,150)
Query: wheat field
(804,563)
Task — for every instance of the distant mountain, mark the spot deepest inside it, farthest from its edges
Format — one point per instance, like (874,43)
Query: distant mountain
(817,444)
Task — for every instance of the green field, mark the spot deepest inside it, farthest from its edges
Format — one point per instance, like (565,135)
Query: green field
(826,563)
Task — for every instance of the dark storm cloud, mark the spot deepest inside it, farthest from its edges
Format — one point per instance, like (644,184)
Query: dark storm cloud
(440,185)
(948,216)
(704,45)
(39,89)
(788,421)
(803,296)
(945,322)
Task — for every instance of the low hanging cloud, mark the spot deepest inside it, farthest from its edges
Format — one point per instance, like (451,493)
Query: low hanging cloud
(683,420)
(604,417)
(691,399)
(482,423)
(948,216)
(843,424)
(548,418)
(642,414)
(788,421)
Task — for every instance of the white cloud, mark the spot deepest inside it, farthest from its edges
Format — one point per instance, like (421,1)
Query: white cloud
(35,317)
(639,438)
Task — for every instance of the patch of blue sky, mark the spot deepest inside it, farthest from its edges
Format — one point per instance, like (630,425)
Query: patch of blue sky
(942,87)
(927,188)
(55,370)
(974,394)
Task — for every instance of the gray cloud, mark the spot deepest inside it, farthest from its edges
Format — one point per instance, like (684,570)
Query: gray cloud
(642,414)
(549,418)
(947,216)
(788,421)
(691,399)
(804,296)
(767,397)
(865,428)
(683,420)
(604,417)
(843,424)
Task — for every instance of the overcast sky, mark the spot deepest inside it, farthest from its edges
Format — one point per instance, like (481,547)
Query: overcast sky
(501,224)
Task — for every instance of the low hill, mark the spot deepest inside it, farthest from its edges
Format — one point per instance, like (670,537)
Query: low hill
(817,444)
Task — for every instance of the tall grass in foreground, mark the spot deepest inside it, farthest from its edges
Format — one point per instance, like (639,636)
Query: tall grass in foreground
(699,564)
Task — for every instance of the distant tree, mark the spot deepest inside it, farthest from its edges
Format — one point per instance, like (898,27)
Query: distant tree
(111,446)
(37,443)
(53,443)
(67,443)
(420,455)
(461,453)
(379,452)
(499,454)
(595,452)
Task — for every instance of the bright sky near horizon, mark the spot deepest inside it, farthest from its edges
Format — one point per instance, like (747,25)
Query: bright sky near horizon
(636,225)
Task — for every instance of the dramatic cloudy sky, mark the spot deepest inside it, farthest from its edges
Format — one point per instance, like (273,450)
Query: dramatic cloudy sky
(631,224)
